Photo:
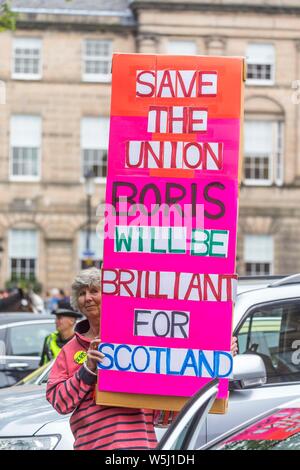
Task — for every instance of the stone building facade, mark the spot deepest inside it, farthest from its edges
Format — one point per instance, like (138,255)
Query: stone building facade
(56,71)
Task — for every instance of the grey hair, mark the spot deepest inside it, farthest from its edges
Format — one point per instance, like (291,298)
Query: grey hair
(85,278)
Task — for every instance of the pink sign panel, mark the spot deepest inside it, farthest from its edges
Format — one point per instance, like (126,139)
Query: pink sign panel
(201,204)
(168,278)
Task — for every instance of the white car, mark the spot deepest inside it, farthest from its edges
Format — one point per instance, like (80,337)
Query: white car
(267,324)
(277,429)
(22,337)
(28,421)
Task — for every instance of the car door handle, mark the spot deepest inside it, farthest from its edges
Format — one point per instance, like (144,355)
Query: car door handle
(18,365)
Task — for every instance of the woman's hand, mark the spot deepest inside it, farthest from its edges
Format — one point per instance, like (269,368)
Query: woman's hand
(234,346)
(93,355)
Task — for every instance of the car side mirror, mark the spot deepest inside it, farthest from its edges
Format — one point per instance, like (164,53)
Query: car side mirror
(249,371)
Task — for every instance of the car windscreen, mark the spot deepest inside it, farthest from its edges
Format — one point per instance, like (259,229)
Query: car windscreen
(36,377)
(27,339)
(277,431)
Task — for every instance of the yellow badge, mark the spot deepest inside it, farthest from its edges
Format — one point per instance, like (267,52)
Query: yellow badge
(80,357)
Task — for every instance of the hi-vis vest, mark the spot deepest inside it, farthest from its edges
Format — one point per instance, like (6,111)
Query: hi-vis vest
(53,348)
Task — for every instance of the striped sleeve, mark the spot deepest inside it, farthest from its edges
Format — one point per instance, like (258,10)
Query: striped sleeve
(66,392)
(163,418)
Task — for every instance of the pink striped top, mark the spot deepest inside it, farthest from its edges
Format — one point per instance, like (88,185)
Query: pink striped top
(70,389)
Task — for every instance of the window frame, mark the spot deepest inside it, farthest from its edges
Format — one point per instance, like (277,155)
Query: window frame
(9,332)
(275,157)
(25,178)
(97,179)
(246,261)
(257,81)
(249,315)
(96,77)
(254,272)
(81,239)
(9,258)
(19,268)
(27,76)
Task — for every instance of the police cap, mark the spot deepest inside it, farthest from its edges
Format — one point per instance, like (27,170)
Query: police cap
(64,308)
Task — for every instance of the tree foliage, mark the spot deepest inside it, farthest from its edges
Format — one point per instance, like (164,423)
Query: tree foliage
(8,18)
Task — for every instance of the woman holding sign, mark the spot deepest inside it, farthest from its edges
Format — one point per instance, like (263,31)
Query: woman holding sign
(72,381)
(71,385)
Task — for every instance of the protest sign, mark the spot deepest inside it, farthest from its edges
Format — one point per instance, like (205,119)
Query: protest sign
(168,280)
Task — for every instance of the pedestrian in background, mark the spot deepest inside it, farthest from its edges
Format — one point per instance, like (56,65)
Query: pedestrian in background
(53,298)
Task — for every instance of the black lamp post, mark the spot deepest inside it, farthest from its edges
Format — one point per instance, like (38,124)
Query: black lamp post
(89,191)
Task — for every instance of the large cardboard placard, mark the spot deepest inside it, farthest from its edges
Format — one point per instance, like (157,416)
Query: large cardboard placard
(168,281)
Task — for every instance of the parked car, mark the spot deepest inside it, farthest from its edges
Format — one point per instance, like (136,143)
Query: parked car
(21,342)
(266,372)
(278,429)
(28,421)
(267,324)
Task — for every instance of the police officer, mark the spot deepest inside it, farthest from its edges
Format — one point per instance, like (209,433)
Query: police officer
(65,322)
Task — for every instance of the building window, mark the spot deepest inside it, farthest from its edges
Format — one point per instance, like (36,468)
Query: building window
(25,144)
(263,153)
(181,47)
(27,59)
(95,257)
(260,64)
(22,250)
(97,60)
(94,144)
(258,255)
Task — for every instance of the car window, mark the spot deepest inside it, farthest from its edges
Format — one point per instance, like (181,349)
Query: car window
(28,340)
(272,331)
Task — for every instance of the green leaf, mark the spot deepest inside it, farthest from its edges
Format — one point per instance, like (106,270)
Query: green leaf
(8,18)
(24,284)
